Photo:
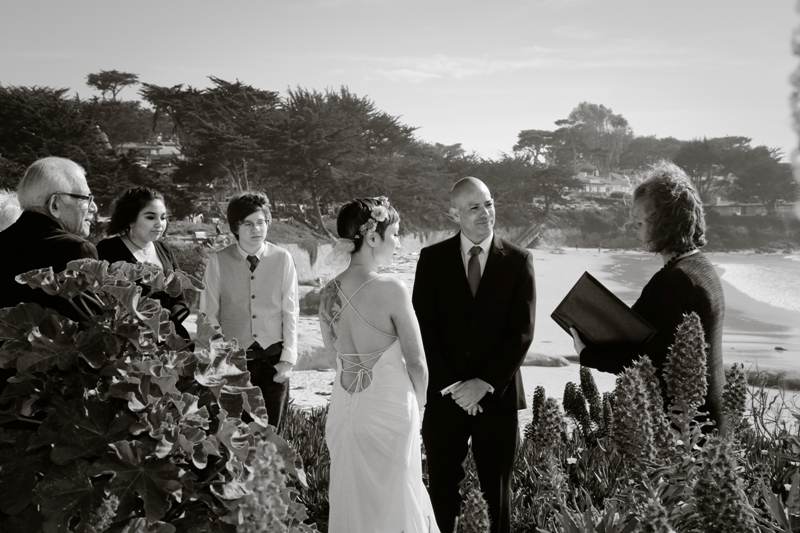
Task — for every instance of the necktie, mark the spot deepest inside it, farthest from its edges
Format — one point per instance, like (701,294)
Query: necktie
(474,269)
(253,260)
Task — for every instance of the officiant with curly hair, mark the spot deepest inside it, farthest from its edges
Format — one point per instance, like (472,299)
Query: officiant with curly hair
(669,221)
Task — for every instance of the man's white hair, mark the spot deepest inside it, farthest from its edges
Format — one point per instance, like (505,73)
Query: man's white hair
(9,208)
(45,177)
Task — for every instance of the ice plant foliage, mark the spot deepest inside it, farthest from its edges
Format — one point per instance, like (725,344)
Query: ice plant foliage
(115,410)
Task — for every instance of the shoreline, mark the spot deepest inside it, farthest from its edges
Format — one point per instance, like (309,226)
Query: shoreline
(764,338)
(752,328)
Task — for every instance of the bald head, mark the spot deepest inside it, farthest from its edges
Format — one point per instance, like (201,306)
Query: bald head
(466,187)
(472,207)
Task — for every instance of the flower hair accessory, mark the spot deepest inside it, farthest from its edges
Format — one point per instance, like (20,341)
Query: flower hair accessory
(379,213)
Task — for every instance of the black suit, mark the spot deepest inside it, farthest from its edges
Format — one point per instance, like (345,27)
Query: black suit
(37,241)
(487,337)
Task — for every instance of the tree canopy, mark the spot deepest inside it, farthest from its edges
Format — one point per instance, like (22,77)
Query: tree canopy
(760,175)
(320,148)
(111,81)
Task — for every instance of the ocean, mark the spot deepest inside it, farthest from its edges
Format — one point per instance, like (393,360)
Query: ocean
(770,279)
(762,319)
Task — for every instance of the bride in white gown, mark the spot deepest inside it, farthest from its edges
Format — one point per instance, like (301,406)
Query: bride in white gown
(373,427)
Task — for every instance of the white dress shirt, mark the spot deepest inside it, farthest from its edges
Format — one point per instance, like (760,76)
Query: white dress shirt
(466,246)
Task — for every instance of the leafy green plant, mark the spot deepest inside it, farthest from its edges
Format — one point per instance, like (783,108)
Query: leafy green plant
(305,431)
(112,424)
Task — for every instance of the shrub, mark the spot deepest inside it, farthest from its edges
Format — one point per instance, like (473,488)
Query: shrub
(191,257)
(116,408)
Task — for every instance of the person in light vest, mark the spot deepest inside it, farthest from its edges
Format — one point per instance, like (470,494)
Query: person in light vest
(251,293)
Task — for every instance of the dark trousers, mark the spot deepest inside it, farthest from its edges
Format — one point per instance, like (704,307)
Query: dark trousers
(261,365)
(446,430)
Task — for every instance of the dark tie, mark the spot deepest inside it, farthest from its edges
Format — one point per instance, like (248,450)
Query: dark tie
(474,269)
(253,260)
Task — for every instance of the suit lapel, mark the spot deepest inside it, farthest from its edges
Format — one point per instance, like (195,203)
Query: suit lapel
(455,265)
(493,266)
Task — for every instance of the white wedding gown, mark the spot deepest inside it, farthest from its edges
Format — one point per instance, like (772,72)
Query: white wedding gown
(373,434)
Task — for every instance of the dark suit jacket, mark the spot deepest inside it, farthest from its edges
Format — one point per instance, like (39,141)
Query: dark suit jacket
(36,241)
(484,337)
(113,249)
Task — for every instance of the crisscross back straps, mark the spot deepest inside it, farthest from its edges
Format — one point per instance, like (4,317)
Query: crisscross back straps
(348,302)
(360,369)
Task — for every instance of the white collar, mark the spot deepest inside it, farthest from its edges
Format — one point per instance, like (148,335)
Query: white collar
(485,244)
(258,253)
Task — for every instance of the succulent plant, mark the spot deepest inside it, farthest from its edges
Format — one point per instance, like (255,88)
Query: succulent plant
(685,368)
(658,417)
(633,427)
(575,406)
(655,518)
(734,395)
(474,516)
(720,502)
(592,395)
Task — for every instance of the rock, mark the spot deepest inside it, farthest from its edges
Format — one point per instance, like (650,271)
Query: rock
(310,350)
(309,300)
(538,359)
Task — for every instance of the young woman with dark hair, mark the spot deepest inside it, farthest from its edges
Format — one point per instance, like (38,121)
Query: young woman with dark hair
(138,221)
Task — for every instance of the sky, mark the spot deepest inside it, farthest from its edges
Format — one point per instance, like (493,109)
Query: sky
(461,71)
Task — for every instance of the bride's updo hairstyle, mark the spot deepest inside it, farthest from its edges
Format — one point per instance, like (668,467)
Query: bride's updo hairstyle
(357,218)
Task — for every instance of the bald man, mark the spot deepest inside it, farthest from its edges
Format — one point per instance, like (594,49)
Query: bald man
(475,298)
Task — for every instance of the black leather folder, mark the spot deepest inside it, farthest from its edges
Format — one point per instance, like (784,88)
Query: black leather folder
(600,317)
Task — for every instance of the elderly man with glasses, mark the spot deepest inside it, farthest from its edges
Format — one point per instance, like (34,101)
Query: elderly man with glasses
(57,210)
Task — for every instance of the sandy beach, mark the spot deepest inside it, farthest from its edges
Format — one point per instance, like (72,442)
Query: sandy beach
(556,271)
(753,328)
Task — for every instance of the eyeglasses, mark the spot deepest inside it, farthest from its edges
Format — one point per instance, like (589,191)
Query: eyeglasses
(87,198)
(260,224)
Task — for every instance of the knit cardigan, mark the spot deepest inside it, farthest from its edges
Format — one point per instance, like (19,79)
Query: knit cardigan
(689,284)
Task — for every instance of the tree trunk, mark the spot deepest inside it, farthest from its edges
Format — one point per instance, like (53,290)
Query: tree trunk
(216,203)
(318,213)
(246,179)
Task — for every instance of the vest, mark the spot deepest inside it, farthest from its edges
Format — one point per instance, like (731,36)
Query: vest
(250,302)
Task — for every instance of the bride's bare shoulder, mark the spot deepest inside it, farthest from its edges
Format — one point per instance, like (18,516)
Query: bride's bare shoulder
(329,300)
(391,285)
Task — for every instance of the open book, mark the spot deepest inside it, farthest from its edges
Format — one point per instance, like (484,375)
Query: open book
(599,316)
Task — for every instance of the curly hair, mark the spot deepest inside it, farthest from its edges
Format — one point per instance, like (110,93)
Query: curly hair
(245,204)
(128,206)
(353,215)
(676,221)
